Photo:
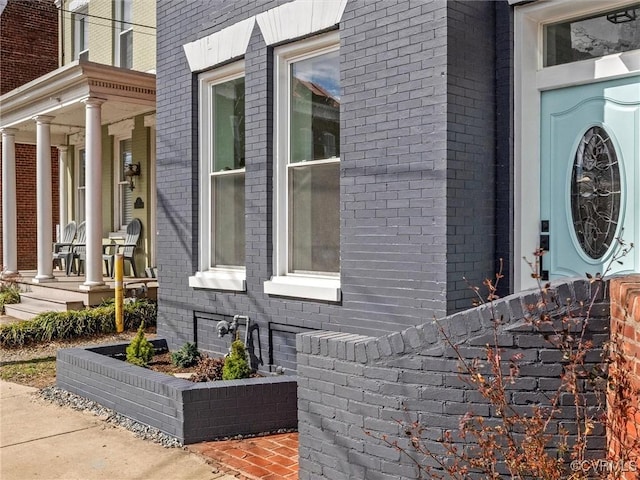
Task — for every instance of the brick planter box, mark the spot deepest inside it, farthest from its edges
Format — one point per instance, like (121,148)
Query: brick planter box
(191,412)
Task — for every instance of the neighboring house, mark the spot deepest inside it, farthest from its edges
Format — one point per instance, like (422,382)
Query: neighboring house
(355,166)
(28,50)
(97,109)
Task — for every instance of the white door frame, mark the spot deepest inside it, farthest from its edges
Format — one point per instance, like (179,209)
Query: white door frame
(531,79)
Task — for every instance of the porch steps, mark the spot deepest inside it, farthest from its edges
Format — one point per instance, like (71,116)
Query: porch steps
(31,304)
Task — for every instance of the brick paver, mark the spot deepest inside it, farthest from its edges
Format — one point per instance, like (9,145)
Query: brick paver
(265,458)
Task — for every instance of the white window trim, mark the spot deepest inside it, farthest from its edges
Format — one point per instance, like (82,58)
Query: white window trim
(530,80)
(216,278)
(299,18)
(219,47)
(118,31)
(76,183)
(119,180)
(82,11)
(76,5)
(150,122)
(317,287)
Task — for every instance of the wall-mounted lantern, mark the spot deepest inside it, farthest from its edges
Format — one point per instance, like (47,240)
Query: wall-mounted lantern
(132,170)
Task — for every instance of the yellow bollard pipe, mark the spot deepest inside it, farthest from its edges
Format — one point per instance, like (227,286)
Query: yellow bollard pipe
(118,267)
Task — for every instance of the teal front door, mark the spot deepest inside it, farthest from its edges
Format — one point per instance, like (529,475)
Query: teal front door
(590,177)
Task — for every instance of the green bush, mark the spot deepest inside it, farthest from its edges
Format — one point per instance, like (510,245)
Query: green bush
(140,350)
(9,293)
(49,326)
(236,365)
(186,356)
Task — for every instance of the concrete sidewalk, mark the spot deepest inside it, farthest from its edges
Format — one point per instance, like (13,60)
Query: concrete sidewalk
(41,440)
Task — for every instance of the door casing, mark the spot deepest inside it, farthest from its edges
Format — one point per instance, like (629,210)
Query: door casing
(530,79)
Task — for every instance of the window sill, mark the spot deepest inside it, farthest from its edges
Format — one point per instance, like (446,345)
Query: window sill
(220,280)
(314,288)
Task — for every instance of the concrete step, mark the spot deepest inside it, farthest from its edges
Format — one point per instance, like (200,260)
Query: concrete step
(52,292)
(55,302)
(30,306)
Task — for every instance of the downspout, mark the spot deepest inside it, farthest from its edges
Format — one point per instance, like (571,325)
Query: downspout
(58,4)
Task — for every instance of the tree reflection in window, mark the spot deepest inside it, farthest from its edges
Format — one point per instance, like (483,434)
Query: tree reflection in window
(595,192)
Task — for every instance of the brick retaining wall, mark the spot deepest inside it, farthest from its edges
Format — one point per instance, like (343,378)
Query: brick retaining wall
(625,328)
(350,384)
(191,412)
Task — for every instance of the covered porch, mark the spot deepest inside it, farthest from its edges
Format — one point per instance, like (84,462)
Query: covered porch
(89,112)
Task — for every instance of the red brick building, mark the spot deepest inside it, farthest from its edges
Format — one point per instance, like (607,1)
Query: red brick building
(28,50)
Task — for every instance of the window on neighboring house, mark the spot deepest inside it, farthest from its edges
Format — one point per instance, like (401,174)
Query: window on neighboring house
(124,203)
(307,178)
(80,35)
(123,34)
(222,179)
(81,165)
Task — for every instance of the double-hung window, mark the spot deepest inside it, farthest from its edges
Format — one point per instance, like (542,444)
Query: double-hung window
(80,35)
(123,34)
(124,194)
(80,180)
(307,170)
(222,179)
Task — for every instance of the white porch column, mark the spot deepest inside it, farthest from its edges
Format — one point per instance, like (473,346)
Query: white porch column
(63,176)
(9,208)
(43,202)
(93,193)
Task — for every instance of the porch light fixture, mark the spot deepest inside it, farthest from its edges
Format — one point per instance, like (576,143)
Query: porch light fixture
(622,16)
(132,170)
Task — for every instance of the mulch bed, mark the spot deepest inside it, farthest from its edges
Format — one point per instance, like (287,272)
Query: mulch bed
(161,362)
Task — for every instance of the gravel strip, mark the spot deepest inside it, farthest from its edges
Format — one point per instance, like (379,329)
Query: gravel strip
(66,399)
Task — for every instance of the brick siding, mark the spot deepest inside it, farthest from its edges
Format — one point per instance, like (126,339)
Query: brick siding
(29,46)
(26,200)
(352,389)
(28,50)
(416,142)
(625,328)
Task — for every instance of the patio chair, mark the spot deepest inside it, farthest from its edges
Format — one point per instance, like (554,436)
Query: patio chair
(78,250)
(128,248)
(62,248)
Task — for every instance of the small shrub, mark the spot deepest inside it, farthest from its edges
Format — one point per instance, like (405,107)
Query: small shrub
(208,369)
(9,293)
(186,356)
(140,350)
(236,364)
(139,310)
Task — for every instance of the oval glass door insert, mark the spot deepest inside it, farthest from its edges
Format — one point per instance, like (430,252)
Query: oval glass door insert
(595,192)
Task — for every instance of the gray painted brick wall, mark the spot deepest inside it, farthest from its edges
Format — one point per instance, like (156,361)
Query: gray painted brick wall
(190,412)
(352,390)
(416,167)
(470,148)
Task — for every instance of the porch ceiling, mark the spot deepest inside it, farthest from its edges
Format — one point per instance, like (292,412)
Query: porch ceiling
(127,93)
